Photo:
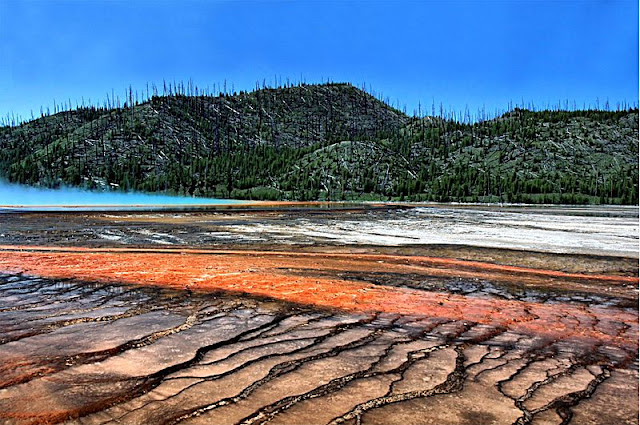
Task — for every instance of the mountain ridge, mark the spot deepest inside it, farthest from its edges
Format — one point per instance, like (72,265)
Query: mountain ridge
(327,141)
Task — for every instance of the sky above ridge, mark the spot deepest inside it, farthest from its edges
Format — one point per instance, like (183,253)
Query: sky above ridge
(458,53)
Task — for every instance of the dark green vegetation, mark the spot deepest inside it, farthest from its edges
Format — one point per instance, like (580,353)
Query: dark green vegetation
(330,141)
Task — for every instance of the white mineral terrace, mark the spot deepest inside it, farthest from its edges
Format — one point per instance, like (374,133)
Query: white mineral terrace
(540,230)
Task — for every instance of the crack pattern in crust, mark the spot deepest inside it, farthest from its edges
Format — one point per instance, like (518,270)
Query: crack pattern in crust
(106,353)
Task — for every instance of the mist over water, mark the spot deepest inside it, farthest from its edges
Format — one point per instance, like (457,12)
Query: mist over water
(20,196)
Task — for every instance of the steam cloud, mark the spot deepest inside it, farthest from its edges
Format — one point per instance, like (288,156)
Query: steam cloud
(19,196)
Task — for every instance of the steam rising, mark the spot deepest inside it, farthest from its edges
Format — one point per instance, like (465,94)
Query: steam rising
(26,197)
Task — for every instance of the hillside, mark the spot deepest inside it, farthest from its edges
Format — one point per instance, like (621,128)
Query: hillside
(330,141)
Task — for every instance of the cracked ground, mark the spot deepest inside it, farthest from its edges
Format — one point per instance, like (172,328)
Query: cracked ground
(239,317)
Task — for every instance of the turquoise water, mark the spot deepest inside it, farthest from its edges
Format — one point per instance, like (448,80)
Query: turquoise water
(19,196)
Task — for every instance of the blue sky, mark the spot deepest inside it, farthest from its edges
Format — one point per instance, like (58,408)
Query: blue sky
(459,53)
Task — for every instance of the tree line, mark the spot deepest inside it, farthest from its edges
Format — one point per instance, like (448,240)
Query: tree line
(326,141)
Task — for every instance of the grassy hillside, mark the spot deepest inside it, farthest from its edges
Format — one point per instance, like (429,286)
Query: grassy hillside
(330,141)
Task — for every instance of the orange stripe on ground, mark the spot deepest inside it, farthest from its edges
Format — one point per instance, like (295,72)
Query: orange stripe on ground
(416,261)
(268,274)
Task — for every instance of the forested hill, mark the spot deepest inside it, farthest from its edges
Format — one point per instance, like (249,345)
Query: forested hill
(330,141)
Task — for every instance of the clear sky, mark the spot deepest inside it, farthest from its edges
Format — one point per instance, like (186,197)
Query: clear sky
(459,53)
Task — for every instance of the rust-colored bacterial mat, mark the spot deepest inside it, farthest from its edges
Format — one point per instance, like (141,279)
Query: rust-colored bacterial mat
(297,333)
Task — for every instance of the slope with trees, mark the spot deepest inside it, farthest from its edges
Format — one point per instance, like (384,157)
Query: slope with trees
(328,141)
